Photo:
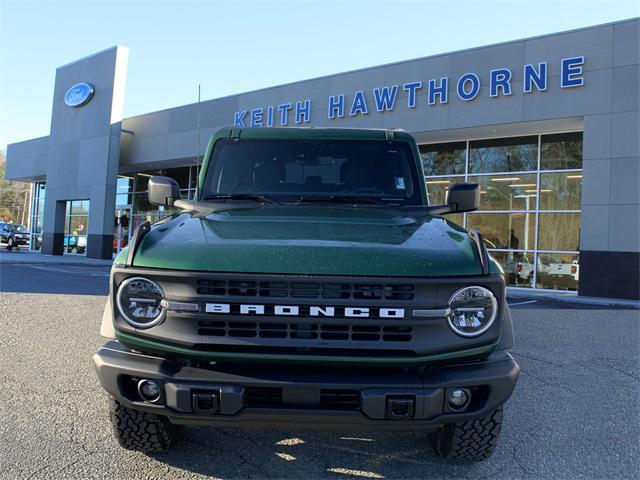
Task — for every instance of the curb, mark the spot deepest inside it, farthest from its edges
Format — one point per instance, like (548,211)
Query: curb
(66,264)
(29,259)
(574,299)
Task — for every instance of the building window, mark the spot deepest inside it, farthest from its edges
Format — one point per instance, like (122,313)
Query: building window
(437,188)
(561,151)
(75,227)
(560,191)
(505,231)
(529,206)
(37,215)
(507,192)
(124,189)
(503,155)
(133,189)
(444,158)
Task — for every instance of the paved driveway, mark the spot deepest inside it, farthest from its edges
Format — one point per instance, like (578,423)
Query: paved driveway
(575,412)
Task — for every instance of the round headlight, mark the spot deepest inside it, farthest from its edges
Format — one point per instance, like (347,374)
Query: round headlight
(473,310)
(139,301)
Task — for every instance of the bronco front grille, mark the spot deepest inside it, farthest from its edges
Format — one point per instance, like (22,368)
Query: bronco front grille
(305,331)
(283,289)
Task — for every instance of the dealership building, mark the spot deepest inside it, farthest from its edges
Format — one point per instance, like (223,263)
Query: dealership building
(548,126)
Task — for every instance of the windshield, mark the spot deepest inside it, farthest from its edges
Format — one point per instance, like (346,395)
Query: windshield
(291,171)
(14,227)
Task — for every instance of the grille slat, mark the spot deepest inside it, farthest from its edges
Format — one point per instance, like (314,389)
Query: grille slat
(308,290)
(305,331)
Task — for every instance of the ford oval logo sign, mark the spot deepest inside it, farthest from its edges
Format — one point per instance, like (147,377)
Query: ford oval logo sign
(79,94)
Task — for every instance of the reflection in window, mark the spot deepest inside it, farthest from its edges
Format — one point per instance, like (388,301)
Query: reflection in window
(513,231)
(141,205)
(559,271)
(124,188)
(457,218)
(444,158)
(507,192)
(78,207)
(187,178)
(559,231)
(552,199)
(518,268)
(560,191)
(37,214)
(503,155)
(437,188)
(561,151)
(76,226)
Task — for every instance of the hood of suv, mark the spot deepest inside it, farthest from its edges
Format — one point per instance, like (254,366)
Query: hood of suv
(311,240)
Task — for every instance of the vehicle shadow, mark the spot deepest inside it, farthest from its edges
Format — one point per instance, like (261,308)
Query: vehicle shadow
(240,454)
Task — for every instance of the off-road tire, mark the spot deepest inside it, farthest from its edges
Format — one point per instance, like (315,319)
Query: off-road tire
(141,431)
(470,441)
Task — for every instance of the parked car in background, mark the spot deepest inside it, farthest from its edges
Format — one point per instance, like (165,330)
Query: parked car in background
(13,235)
(561,273)
(525,270)
(553,272)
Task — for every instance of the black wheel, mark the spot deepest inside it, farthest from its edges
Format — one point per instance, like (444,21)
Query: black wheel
(470,441)
(10,244)
(141,431)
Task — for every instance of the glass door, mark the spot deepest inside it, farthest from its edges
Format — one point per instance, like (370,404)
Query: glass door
(122,228)
(75,227)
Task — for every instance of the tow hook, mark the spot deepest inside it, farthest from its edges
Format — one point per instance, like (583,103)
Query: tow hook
(205,403)
(400,408)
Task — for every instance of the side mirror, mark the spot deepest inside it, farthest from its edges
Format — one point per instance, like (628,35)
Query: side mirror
(463,197)
(163,191)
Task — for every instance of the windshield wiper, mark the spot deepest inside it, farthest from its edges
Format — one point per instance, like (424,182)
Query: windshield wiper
(240,196)
(353,199)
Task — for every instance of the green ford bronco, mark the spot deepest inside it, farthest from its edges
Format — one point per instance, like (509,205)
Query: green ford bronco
(309,285)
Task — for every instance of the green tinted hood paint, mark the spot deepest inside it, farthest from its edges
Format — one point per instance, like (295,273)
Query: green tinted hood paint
(310,240)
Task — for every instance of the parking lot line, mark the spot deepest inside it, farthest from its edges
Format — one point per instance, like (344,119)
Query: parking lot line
(523,303)
(72,271)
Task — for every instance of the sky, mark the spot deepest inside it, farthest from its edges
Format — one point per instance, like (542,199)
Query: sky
(233,47)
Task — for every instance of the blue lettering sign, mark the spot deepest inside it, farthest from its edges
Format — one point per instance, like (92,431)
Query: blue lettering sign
(500,78)
(256,117)
(238,119)
(284,113)
(303,113)
(385,98)
(571,72)
(467,86)
(463,92)
(539,77)
(359,104)
(441,90)
(270,116)
(336,106)
(411,92)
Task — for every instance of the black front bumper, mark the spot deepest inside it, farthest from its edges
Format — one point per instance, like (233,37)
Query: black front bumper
(322,398)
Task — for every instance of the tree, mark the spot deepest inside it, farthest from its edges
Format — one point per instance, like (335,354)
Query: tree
(14,197)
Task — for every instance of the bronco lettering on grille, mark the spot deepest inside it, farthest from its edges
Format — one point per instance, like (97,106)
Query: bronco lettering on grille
(311,311)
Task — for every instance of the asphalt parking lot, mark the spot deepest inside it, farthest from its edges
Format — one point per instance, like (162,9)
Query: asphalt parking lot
(574,414)
(52,279)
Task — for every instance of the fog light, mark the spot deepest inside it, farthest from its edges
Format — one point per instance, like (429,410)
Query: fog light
(458,399)
(149,390)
